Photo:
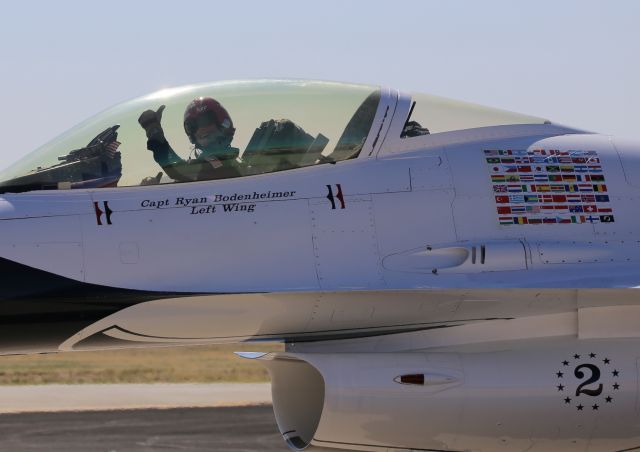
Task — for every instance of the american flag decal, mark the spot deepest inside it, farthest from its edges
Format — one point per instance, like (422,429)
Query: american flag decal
(548,186)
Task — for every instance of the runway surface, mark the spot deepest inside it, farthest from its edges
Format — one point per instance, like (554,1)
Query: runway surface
(156,417)
(233,429)
(40,398)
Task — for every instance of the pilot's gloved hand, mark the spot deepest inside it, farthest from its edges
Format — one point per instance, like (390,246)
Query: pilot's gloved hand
(151,123)
(152,180)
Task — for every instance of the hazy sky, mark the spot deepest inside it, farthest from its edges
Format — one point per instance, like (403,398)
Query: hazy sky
(574,62)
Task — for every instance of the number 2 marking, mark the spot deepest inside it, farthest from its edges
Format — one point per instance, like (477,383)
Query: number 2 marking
(595,376)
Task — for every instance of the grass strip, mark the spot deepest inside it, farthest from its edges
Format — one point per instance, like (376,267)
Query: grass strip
(198,364)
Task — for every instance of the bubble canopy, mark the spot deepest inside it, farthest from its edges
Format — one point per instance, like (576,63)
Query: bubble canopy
(271,125)
(230,129)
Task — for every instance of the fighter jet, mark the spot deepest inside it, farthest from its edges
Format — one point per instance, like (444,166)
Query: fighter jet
(445,276)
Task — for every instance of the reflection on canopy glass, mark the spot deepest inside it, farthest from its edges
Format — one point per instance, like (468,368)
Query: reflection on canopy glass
(213,131)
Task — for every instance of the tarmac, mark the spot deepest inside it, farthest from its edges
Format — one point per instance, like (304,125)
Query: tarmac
(163,417)
(57,398)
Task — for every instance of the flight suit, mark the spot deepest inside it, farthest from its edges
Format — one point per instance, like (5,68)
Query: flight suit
(205,166)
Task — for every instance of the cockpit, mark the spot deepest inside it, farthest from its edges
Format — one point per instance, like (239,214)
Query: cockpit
(277,126)
(230,129)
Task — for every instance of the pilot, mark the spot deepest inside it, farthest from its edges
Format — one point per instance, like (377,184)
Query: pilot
(210,130)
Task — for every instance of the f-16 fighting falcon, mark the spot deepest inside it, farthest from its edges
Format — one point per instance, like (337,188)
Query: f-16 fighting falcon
(445,276)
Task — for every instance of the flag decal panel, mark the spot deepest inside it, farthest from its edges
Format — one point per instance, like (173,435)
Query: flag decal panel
(553,186)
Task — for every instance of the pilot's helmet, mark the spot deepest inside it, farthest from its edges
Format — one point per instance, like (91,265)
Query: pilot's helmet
(206,122)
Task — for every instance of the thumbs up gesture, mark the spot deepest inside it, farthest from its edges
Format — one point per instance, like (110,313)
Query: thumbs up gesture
(150,121)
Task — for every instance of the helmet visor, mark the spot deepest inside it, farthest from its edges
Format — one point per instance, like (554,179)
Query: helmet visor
(205,119)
